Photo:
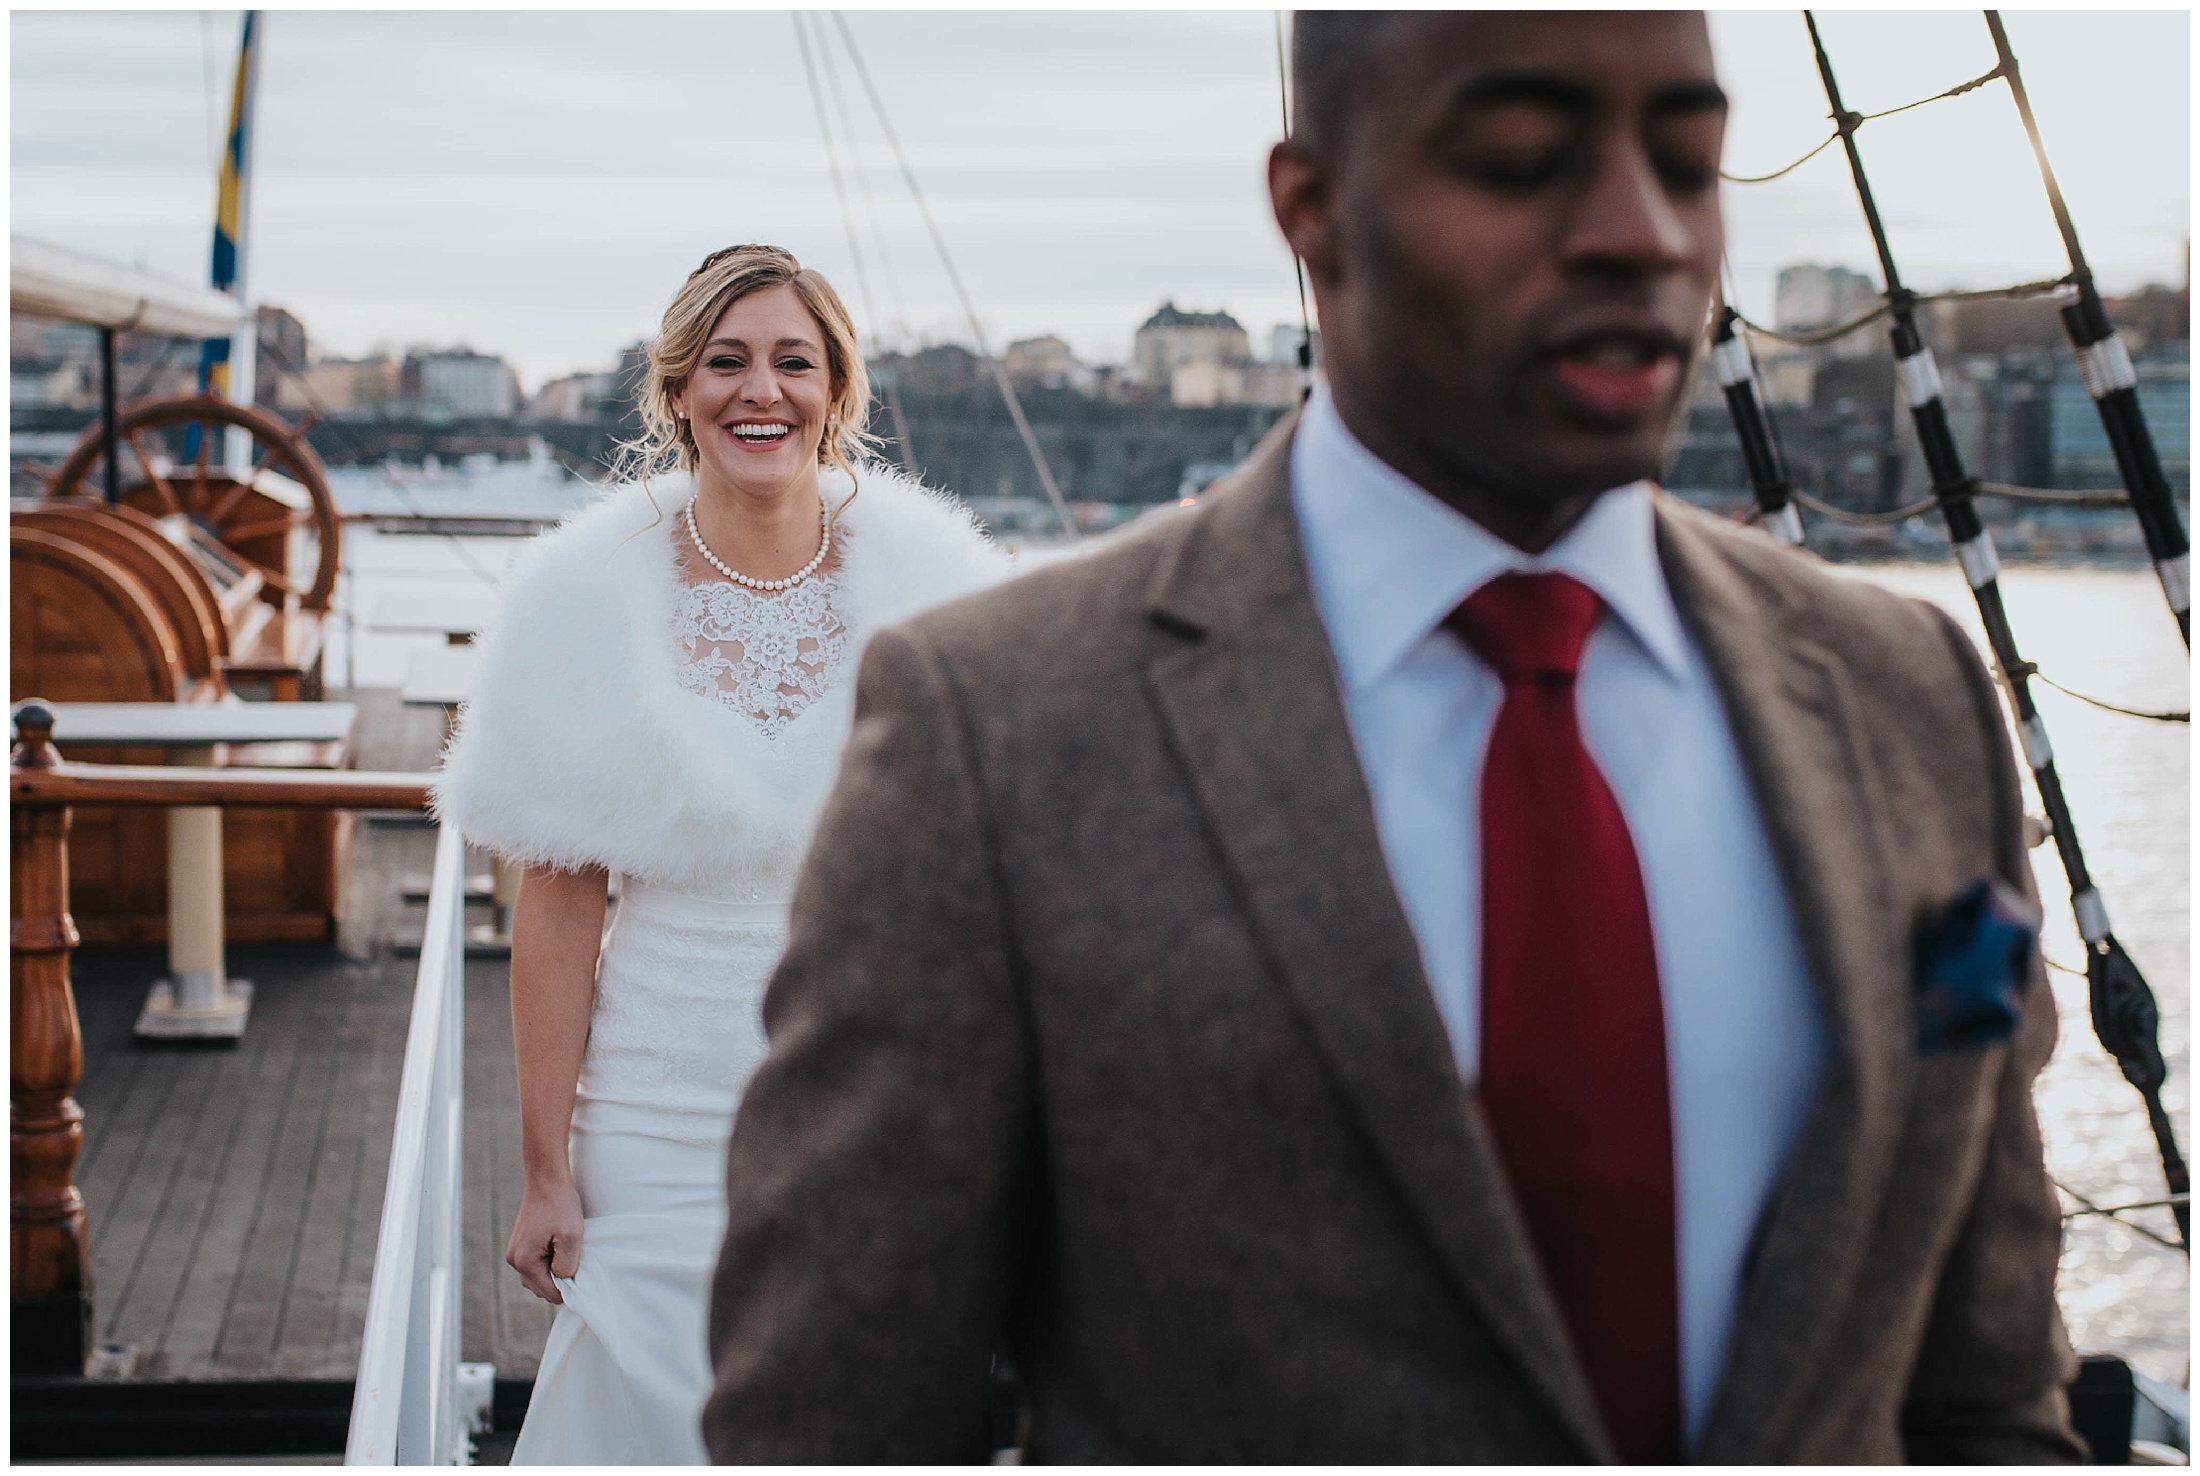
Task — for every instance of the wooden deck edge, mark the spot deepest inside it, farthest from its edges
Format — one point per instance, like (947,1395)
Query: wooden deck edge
(54,1419)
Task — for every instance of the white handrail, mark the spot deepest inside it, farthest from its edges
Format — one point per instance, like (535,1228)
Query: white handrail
(406,1407)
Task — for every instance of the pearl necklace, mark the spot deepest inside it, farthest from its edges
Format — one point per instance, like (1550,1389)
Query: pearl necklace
(769,586)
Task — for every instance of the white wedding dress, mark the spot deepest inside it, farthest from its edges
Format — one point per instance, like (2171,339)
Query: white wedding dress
(676,1032)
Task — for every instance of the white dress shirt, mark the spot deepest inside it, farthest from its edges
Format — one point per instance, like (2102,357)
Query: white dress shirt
(1744,1041)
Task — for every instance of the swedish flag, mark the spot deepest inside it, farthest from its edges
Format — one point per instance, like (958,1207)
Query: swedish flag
(229,203)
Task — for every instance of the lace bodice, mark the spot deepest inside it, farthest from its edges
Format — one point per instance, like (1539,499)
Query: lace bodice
(766,656)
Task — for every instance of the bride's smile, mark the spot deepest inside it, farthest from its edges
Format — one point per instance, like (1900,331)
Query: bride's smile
(711,611)
(760,399)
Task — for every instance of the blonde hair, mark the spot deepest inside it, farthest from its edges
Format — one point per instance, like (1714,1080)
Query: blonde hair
(725,277)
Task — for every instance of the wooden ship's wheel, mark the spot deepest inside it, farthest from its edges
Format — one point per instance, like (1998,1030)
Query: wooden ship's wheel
(198,586)
(278,521)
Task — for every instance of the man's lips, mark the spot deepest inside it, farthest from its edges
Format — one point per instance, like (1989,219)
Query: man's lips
(1618,392)
(1618,376)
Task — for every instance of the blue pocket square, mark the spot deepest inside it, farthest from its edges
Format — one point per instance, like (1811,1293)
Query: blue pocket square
(1972,961)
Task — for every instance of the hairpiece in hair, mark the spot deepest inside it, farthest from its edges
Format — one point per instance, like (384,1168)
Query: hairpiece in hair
(725,251)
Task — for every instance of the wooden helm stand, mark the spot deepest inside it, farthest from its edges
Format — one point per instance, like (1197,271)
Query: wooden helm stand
(184,574)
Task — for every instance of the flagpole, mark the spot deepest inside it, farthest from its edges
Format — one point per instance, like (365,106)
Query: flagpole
(227,365)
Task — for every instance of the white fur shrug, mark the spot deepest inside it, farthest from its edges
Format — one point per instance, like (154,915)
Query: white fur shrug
(579,748)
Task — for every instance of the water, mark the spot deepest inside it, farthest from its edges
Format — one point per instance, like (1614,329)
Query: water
(2108,634)
(2103,632)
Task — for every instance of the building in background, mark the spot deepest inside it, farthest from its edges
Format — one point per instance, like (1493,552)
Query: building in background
(344,388)
(283,349)
(461,384)
(1206,382)
(575,398)
(1808,297)
(940,369)
(1046,362)
(1172,338)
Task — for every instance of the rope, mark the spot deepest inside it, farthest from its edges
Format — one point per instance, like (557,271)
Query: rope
(2049,497)
(2153,717)
(862,173)
(939,244)
(832,166)
(2117,1212)
(145,381)
(361,450)
(2041,496)
(1786,169)
(1298,266)
(1864,520)
(1850,122)
(1816,337)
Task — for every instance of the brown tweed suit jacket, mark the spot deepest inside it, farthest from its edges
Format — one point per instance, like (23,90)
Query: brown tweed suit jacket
(1102,1037)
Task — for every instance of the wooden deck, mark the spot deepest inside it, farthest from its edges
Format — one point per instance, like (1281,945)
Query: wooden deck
(234,1193)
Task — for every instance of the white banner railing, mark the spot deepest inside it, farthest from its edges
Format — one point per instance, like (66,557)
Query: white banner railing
(413,1404)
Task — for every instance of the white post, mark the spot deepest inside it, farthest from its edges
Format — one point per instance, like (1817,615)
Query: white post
(197,1001)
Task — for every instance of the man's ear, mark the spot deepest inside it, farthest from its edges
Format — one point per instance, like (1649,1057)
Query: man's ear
(1298,192)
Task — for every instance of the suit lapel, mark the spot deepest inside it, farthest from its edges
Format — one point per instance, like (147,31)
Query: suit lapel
(1810,764)
(1251,705)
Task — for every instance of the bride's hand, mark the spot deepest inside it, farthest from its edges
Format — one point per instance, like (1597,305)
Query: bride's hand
(546,1239)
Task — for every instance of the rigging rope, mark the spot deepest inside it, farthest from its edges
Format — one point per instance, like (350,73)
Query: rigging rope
(2117,1212)
(889,389)
(1298,265)
(939,244)
(861,172)
(2044,496)
(364,452)
(2152,717)
(832,165)
(1817,337)
(1850,122)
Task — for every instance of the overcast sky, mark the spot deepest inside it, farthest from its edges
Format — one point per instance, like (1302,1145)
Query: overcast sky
(535,184)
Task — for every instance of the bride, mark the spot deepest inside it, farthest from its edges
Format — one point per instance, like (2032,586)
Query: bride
(665,697)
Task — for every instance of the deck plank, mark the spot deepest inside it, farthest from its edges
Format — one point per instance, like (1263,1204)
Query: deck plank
(242,1182)
(312,1291)
(156,1294)
(142,1232)
(235,1195)
(270,1253)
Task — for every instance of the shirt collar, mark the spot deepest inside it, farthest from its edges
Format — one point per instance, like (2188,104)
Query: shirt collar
(1389,562)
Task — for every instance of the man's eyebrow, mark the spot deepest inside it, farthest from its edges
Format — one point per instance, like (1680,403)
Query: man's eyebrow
(1562,94)
(1690,97)
(1536,89)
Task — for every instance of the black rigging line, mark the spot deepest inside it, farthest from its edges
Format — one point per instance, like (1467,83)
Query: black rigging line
(939,244)
(2125,1016)
(2105,365)
(1298,265)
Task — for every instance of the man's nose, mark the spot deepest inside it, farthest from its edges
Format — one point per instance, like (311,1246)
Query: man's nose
(1625,221)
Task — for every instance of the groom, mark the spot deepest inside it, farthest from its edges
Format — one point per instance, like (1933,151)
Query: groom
(1419,960)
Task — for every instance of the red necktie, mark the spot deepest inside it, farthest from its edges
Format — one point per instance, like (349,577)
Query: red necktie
(1573,1028)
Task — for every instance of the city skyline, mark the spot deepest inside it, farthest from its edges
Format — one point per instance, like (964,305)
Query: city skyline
(528,183)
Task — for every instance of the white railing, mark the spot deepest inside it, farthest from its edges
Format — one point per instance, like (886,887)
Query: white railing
(414,1402)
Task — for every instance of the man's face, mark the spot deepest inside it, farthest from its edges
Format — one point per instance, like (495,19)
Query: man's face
(1514,234)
